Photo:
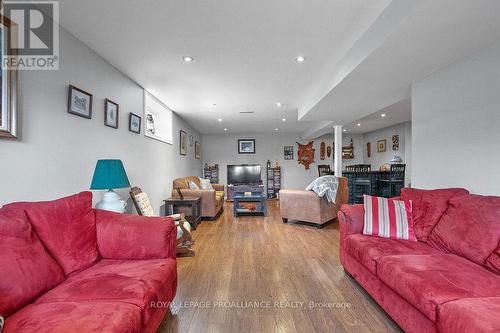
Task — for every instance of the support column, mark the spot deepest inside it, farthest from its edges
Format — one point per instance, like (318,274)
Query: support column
(337,162)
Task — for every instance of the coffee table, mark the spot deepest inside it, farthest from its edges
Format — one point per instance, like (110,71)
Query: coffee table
(256,197)
(172,205)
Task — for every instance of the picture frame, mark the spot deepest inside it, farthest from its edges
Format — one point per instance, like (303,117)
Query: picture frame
(79,102)
(246,146)
(381,146)
(183,142)
(134,123)
(158,119)
(111,113)
(8,85)
(288,153)
(197,150)
(395,142)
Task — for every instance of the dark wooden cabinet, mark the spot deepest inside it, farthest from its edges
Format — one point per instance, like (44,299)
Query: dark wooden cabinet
(273,177)
(211,173)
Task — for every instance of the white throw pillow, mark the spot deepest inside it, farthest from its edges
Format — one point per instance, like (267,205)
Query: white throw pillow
(193,186)
(144,204)
(205,184)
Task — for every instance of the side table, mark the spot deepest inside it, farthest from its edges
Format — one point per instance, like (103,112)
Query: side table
(256,197)
(172,205)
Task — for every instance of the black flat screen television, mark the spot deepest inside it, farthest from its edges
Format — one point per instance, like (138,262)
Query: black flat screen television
(243,174)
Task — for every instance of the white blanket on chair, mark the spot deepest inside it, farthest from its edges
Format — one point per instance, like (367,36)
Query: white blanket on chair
(325,185)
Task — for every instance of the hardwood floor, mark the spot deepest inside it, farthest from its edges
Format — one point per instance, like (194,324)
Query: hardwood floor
(244,267)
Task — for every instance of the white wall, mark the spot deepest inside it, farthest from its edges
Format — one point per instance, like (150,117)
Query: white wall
(456,118)
(222,149)
(57,151)
(377,159)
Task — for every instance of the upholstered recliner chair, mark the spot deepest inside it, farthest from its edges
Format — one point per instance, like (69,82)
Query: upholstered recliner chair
(307,206)
(212,201)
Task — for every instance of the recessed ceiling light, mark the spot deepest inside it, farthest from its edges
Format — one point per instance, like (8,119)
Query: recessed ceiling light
(344,130)
(283,120)
(187,58)
(383,115)
(300,59)
(359,124)
(219,120)
(225,129)
(276,129)
(279,104)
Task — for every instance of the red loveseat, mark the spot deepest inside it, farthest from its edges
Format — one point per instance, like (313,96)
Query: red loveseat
(447,281)
(65,267)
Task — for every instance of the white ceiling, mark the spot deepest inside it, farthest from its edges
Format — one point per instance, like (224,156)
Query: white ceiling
(361,56)
(394,114)
(244,52)
(409,41)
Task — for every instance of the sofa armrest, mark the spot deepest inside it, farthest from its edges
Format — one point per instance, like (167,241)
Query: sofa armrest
(351,220)
(218,187)
(124,236)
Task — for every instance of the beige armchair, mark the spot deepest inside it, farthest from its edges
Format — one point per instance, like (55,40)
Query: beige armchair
(307,206)
(212,201)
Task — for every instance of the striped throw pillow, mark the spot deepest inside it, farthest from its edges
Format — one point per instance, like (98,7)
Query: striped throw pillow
(388,218)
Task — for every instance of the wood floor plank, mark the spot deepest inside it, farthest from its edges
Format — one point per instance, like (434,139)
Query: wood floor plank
(257,274)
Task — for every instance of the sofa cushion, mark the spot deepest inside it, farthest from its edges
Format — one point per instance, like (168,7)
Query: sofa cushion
(26,269)
(493,261)
(219,198)
(388,218)
(138,282)
(428,207)
(470,315)
(426,281)
(368,249)
(205,184)
(183,183)
(76,317)
(67,229)
(470,227)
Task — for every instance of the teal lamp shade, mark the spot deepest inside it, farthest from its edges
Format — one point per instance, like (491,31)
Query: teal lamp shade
(109,174)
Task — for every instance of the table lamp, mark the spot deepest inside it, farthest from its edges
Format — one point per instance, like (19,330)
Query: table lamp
(108,175)
(396,159)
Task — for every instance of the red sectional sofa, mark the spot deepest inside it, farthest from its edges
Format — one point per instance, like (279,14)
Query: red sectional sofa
(66,267)
(447,281)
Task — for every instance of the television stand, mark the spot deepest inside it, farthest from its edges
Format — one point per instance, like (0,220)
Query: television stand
(232,189)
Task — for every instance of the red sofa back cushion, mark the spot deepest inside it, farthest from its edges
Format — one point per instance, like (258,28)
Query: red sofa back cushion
(67,229)
(493,261)
(428,207)
(26,269)
(470,228)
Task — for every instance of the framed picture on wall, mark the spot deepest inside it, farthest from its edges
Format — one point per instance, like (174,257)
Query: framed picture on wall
(246,146)
(111,113)
(183,143)
(8,86)
(134,123)
(197,150)
(288,152)
(158,119)
(381,146)
(79,102)
(395,142)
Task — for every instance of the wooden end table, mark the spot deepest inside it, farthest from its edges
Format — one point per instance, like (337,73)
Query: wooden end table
(172,205)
